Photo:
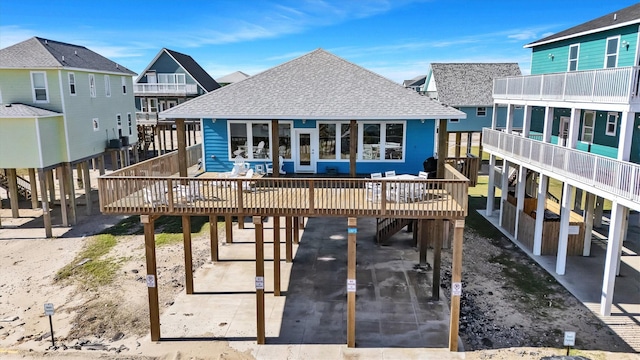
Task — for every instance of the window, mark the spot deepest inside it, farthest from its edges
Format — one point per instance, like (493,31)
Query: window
(284,139)
(376,141)
(96,124)
(327,137)
(612,124)
(611,55)
(371,142)
(39,85)
(250,139)
(587,126)
(72,83)
(123,80)
(171,79)
(393,141)
(92,85)
(129,123)
(481,111)
(454,120)
(107,86)
(573,57)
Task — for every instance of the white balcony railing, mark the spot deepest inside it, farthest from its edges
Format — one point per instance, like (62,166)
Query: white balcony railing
(615,86)
(618,178)
(166,88)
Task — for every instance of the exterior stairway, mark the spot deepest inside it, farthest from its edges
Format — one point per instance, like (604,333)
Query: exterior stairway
(386,228)
(24,187)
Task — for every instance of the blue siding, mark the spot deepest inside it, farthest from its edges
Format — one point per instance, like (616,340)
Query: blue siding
(591,54)
(474,123)
(309,124)
(419,146)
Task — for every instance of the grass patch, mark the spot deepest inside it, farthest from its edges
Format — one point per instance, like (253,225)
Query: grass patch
(170,228)
(91,266)
(478,200)
(128,226)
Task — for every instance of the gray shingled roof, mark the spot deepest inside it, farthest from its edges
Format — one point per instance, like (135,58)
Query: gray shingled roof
(233,77)
(194,69)
(318,85)
(416,81)
(21,110)
(469,84)
(43,53)
(623,17)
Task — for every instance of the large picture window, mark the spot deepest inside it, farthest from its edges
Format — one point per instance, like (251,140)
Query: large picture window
(327,137)
(252,139)
(376,141)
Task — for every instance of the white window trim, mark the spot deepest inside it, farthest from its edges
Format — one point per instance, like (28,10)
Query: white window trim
(33,89)
(75,84)
(123,81)
(454,120)
(249,151)
(338,125)
(92,88)
(383,140)
(584,126)
(577,57)
(119,121)
(107,86)
(606,47)
(615,124)
(478,111)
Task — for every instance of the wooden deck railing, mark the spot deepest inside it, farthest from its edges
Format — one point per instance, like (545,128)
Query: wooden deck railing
(437,198)
(165,165)
(468,166)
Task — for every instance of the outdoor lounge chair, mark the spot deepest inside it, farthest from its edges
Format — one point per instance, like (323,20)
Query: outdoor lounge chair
(374,188)
(155,195)
(246,185)
(269,166)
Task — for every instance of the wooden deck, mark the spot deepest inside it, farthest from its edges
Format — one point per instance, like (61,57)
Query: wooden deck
(281,197)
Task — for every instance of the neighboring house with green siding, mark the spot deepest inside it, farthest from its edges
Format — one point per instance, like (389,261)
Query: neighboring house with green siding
(60,105)
(581,128)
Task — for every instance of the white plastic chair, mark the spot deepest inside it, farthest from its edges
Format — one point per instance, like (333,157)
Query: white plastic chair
(259,153)
(269,166)
(246,185)
(374,188)
(423,174)
(389,173)
(155,195)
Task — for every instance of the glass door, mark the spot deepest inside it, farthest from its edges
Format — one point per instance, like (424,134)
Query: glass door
(306,150)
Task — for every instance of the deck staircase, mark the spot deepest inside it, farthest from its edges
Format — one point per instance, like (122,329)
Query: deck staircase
(386,228)
(24,187)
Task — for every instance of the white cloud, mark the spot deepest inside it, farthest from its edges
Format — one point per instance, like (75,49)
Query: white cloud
(13,34)
(523,35)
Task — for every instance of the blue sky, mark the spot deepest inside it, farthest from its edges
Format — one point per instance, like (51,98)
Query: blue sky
(395,38)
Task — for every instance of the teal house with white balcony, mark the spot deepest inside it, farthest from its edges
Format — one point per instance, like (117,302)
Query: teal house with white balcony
(581,127)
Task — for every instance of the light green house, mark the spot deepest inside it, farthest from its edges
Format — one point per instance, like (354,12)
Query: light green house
(61,105)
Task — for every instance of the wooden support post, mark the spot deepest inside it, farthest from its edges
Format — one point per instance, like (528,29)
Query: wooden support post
(275,148)
(101,164)
(296,229)
(469,143)
(114,160)
(46,215)
(68,171)
(13,193)
(63,195)
(213,236)
(352,232)
(228,223)
(597,217)
(34,188)
(423,237)
(52,187)
(80,176)
(152,275)
(353,146)
(443,140)
(87,188)
(188,258)
(182,148)
(276,256)
(588,223)
(458,144)
(288,239)
(302,220)
(456,284)
(437,252)
(480,153)
(240,222)
(414,232)
(257,221)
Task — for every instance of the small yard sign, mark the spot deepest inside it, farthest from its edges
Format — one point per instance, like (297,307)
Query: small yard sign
(456,289)
(48,309)
(569,338)
(351,285)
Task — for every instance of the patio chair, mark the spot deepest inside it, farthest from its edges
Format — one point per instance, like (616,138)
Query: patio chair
(269,166)
(189,192)
(374,188)
(155,195)
(259,153)
(389,173)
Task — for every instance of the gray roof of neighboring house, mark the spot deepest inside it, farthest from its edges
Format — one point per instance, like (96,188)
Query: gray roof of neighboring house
(232,78)
(21,110)
(469,84)
(195,70)
(43,53)
(623,17)
(318,85)
(416,81)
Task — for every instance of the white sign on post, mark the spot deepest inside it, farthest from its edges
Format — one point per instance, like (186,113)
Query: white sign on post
(456,289)
(259,282)
(151,281)
(351,285)
(569,338)
(48,309)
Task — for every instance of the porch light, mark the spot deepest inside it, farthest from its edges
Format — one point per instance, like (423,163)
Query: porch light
(625,44)
(551,56)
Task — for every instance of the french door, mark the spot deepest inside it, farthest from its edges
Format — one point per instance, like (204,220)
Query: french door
(306,150)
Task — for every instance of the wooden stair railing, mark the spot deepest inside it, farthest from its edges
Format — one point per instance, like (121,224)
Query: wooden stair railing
(24,187)
(386,228)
